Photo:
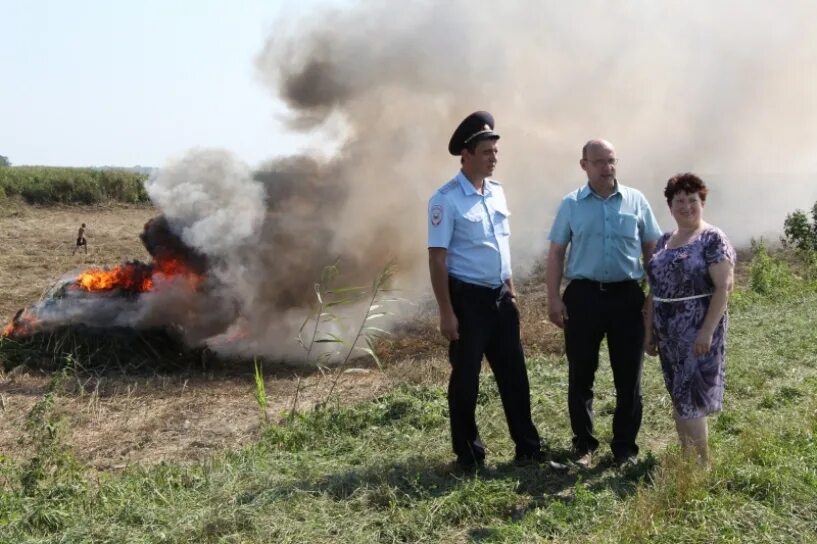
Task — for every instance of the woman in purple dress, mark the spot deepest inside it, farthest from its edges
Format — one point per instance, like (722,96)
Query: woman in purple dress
(691,275)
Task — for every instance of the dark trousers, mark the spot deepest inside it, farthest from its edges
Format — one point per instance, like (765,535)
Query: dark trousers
(488,325)
(594,311)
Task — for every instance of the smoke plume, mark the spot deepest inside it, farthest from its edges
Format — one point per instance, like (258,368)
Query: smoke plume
(722,89)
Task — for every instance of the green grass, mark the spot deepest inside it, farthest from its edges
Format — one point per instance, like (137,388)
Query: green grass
(379,471)
(59,185)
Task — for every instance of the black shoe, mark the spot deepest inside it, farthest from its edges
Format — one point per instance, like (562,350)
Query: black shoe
(584,459)
(625,461)
(469,465)
(538,458)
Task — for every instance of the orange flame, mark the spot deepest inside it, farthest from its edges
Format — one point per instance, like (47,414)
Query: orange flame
(23,324)
(170,268)
(126,276)
(135,277)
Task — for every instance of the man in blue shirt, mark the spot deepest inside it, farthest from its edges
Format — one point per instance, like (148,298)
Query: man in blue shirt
(609,229)
(470,265)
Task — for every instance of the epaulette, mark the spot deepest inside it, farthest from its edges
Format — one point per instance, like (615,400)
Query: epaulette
(495,182)
(448,186)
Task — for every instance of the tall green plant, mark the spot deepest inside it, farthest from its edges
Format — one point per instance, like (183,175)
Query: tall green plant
(768,276)
(52,476)
(326,315)
(261,391)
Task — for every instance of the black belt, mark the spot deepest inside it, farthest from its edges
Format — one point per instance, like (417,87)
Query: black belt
(465,287)
(606,286)
(458,288)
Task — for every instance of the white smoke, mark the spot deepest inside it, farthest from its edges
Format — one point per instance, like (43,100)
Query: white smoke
(211,200)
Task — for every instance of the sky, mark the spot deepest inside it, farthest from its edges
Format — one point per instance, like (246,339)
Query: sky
(726,89)
(118,83)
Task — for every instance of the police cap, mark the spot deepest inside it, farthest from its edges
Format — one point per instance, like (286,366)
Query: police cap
(477,126)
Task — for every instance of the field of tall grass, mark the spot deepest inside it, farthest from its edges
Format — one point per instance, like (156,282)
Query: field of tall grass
(380,470)
(59,185)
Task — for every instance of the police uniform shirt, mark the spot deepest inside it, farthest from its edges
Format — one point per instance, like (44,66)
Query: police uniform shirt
(474,228)
(605,234)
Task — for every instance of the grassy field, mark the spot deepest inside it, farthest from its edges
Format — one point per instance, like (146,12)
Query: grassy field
(379,471)
(377,466)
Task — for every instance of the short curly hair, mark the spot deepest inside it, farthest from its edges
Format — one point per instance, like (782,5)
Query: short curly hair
(688,183)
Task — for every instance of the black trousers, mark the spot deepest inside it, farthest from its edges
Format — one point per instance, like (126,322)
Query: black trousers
(594,311)
(489,326)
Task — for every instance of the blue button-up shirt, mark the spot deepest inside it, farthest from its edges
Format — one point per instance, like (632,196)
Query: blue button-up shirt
(474,228)
(605,234)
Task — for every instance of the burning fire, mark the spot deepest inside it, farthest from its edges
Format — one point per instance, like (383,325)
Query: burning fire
(23,324)
(129,278)
(135,277)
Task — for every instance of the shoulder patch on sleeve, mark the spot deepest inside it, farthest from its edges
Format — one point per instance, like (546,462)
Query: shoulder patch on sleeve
(436,214)
(449,186)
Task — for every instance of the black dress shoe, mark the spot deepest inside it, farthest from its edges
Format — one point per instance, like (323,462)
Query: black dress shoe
(624,461)
(538,458)
(469,464)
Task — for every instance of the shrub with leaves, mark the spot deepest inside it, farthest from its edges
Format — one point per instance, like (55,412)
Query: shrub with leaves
(800,232)
(768,276)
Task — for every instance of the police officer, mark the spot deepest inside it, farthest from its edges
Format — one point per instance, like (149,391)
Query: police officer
(608,227)
(470,265)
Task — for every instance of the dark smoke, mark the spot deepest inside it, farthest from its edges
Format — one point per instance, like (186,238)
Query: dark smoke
(165,245)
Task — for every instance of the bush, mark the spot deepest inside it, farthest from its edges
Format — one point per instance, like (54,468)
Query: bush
(800,233)
(768,276)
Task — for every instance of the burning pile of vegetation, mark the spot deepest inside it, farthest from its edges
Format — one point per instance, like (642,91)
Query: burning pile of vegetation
(98,350)
(105,318)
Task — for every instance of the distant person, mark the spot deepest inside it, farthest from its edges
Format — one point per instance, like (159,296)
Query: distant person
(691,274)
(470,267)
(608,228)
(81,241)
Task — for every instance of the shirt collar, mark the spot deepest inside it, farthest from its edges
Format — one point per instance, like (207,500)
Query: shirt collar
(468,187)
(586,191)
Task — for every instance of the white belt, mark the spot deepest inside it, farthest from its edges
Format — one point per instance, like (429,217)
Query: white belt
(659,299)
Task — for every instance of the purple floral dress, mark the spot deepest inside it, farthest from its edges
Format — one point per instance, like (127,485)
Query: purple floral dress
(694,383)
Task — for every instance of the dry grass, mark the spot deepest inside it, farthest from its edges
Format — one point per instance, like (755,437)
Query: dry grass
(117,420)
(111,422)
(36,245)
